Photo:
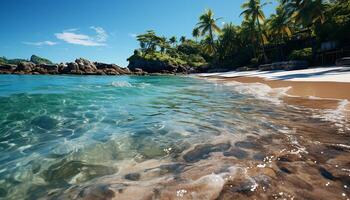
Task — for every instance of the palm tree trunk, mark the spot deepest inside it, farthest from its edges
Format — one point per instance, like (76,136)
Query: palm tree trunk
(212,39)
(262,41)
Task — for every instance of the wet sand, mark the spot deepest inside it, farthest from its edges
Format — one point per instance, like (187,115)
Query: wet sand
(316,95)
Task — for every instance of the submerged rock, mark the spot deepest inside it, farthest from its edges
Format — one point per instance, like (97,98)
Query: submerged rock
(133,176)
(97,192)
(236,152)
(203,151)
(66,171)
(45,122)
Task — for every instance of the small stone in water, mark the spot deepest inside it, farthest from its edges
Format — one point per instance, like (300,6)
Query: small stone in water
(202,151)
(133,176)
(236,152)
(326,174)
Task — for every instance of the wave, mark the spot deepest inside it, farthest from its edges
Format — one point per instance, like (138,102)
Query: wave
(339,116)
(260,91)
(121,84)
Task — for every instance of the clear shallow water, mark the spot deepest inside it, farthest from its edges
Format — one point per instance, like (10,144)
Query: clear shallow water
(72,137)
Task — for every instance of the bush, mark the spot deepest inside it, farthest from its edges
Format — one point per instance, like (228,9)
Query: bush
(302,54)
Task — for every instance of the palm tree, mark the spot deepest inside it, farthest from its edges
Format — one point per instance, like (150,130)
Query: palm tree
(183,39)
(196,33)
(172,40)
(279,28)
(279,24)
(306,12)
(253,11)
(207,24)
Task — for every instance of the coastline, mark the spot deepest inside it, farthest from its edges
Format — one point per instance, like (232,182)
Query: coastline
(304,88)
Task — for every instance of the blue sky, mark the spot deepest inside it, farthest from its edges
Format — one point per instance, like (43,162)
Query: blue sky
(99,30)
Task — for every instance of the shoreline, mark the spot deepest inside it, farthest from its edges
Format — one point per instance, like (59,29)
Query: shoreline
(312,92)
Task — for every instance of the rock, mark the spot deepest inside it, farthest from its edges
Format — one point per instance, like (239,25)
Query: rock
(25,67)
(7,68)
(46,69)
(203,151)
(133,176)
(236,152)
(97,192)
(79,66)
(111,69)
(289,65)
(67,170)
(45,122)
(241,69)
(86,66)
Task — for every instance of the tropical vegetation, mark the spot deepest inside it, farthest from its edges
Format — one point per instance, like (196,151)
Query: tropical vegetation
(34,59)
(258,39)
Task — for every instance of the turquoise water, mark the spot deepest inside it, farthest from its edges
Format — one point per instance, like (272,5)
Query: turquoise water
(64,133)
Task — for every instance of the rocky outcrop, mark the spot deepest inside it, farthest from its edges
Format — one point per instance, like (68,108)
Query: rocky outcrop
(79,66)
(289,65)
(7,68)
(111,69)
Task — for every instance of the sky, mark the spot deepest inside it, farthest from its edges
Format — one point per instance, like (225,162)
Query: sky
(100,30)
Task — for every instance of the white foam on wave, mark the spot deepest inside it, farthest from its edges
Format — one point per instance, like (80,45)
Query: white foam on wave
(121,84)
(260,91)
(339,116)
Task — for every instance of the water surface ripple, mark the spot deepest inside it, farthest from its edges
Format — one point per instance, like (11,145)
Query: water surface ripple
(165,137)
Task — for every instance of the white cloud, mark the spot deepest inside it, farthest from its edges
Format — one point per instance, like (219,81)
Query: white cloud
(43,43)
(71,37)
(101,34)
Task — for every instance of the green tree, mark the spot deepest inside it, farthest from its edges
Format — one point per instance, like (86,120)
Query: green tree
(207,25)
(183,39)
(306,13)
(149,42)
(253,12)
(173,40)
(279,25)
(196,33)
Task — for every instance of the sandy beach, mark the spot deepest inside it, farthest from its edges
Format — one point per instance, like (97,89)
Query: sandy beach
(320,88)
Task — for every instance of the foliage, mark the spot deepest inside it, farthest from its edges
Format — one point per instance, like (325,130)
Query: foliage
(257,38)
(253,13)
(38,60)
(279,25)
(158,48)
(302,54)
(337,24)
(4,60)
(207,25)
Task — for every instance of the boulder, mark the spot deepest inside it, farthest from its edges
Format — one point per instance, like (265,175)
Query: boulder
(241,69)
(25,67)
(288,65)
(7,68)
(111,69)
(79,66)
(71,68)
(46,69)
(86,66)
